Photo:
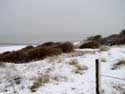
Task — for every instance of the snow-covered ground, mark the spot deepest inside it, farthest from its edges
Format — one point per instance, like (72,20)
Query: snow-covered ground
(72,73)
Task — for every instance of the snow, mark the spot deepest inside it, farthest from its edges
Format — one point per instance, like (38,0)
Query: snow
(62,77)
(11,48)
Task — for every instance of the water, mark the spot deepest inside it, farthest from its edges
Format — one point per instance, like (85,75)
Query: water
(33,40)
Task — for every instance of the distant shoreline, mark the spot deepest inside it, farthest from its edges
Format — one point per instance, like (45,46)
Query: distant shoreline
(9,44)
(15,44)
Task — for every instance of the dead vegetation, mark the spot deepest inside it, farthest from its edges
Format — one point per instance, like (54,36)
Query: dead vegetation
(42,52)
(48,44)
(73,62)
(91,44)
(118,64)
(2,64)
(54,59)
(40,81)
(31,53)
(59,78)
(120,88)
(80,53)
(77,67)
(97,40)
(103,59)
(104,48)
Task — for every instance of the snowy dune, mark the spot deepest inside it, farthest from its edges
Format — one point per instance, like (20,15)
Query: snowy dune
(72,73)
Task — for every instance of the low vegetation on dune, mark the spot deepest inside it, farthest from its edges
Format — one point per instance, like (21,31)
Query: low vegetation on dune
(65,47)
(61,72)
(46,44)
(42,52)
(91,44)
(31,53)
(27,48)
(15,56)
(94,38)
(98,40)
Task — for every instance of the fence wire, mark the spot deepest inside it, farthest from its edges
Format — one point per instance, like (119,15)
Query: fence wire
(108,76)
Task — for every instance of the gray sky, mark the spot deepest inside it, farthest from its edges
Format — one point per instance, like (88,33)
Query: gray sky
(33,21)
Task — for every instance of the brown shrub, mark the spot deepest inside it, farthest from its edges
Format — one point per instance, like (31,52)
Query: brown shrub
(48,44)
(65,47)
(1,57)
(26,48)
(16,57)
(95,38)
(30,53)
(115,39)
(90,45)
(42,52)
(3,54)
(110,40)
(6,53)
(122,41)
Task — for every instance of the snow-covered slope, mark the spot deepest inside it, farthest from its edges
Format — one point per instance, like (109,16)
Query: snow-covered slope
(72,73)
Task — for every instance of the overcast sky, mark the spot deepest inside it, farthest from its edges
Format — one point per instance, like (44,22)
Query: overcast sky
(33,21)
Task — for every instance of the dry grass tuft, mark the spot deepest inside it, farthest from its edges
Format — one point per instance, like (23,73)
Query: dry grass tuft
(73,62)
(52,59)
(2,64)
(77,68)
(118,64)
(104,48)
(103,59)
(80,53)
(59,78)
(39,82)
(120,88)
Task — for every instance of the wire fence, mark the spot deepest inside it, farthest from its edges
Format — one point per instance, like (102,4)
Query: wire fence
(108,76)
(98,76)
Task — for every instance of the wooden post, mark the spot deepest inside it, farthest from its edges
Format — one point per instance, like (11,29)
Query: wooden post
(97,70)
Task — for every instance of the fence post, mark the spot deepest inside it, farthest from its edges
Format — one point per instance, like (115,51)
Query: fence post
(97,76)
